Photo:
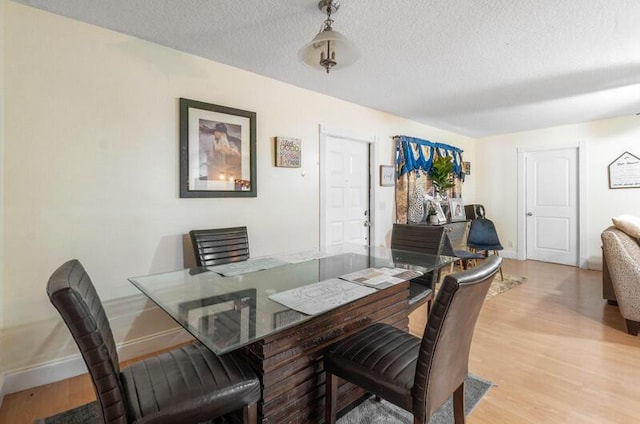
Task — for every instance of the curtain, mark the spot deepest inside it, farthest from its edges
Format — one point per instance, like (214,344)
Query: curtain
(414,158)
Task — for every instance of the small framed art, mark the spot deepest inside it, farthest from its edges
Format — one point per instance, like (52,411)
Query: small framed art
(288,152)
(624,171)
(456,208)
(387,175)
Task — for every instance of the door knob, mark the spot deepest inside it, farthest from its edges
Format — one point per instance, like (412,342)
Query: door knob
(367,224)
(529,213)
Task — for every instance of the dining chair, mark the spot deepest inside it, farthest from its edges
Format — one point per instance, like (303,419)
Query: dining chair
(418,375)
(483,237)
(219,246)
(423,239)
(188,384)
(463,257)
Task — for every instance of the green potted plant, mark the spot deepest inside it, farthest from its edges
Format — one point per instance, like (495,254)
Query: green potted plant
(441,173)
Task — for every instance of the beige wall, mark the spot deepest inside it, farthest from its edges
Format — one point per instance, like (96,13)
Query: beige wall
(91,143)
(2,161)
(603,141)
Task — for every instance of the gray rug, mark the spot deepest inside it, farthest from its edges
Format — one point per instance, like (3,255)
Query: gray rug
(368,412)
(372,412)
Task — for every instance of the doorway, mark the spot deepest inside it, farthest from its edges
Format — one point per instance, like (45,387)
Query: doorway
(550,219)
(346,160)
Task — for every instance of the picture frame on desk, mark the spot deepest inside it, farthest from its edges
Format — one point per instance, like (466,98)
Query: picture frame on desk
(456,208)
(442,218)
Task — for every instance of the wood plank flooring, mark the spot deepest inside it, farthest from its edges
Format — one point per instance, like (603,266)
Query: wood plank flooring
(555,350)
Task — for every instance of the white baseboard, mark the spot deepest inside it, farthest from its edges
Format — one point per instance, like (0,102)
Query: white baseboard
(47,373)
(594,263)
(509,254)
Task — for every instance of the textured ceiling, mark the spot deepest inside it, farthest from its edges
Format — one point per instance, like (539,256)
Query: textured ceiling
(477,68)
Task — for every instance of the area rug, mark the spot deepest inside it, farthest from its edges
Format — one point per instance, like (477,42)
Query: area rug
(372,412)
(497,285)
(368,412)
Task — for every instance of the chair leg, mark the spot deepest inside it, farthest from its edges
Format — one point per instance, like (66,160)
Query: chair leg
(250,414)
(633,327)
(458,405)
(495,252)
(330,398)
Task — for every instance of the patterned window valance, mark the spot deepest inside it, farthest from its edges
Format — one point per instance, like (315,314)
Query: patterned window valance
(413,154)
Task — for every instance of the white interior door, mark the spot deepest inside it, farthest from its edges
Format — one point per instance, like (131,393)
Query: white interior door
(346,192)
(552,206)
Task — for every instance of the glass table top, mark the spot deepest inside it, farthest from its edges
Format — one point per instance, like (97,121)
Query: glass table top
(229,306)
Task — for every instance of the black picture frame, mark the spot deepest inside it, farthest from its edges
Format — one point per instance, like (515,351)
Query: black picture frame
(217,151)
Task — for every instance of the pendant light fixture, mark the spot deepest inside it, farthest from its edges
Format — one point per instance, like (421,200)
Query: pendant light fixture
(329,49)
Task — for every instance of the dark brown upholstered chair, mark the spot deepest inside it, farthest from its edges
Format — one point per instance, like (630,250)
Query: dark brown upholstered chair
(424,239)
(185,385)
(220,245)
(416,375)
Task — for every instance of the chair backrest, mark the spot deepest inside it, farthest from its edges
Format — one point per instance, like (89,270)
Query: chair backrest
(443,359)
(72,293)
(220,245)
(482,234)
(420,238)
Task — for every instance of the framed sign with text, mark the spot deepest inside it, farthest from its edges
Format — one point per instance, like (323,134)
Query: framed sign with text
(288,152)
(624,172)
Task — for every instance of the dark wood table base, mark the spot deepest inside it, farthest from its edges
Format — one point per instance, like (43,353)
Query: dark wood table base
(289,363)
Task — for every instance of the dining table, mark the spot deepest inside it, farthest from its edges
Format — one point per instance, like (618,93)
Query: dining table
(280,312)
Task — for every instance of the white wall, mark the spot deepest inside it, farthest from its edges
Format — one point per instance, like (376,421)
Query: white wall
(604,141)
(91,169)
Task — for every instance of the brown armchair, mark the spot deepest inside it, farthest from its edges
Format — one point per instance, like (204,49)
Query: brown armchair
(622,255)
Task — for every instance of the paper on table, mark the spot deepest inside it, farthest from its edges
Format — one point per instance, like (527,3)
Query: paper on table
(251,265)
(321,296)
(298,257)
(381,278)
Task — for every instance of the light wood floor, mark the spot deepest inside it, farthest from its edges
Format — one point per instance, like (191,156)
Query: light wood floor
(555,350)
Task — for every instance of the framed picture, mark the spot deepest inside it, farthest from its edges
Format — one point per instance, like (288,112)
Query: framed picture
(387,175)
(624,171)
(466,168)
(288,152)
(442,218)
(456,208)
(217,151)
